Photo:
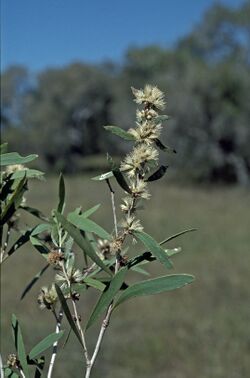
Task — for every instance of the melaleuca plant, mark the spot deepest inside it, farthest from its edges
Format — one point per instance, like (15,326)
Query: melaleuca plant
(106,260)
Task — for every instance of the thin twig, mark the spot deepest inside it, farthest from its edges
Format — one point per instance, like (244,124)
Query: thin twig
(1,367)
(21,373)
(89,270)
(105,324)
(113,206)
(106,320)
(54,353)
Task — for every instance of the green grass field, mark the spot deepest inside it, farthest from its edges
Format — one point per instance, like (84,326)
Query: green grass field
(202,330)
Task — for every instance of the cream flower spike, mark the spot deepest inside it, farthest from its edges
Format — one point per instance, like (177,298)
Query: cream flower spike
(151,95)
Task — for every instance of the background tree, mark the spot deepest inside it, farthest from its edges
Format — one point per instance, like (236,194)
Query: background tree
(207,73)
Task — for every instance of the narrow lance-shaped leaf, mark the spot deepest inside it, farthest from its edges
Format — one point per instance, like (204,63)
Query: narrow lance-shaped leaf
(18,339)
(147,256)
(162,147)
(155,286)
(103,176)
(162,118)
(140,270)
(120,132)
(61,194)
(3,148)
(82,242)
(10,373)
(6,189)
(12,158)
(44,344)
(154,248)
(29,173)
(33,281)
(173,251)
(68,247)
(90,211)
(107,296)
(158,174)
(20,242)
(87,225)
(121,180)
(95,283)
(177,235)
(39,246)
(68,313)
(14,201)
(118,175)
(42,227)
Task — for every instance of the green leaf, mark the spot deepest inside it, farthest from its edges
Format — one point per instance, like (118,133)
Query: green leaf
(68,313)
(177,235)
(39,246)
(87,225)
(155,286)
(103,176)
(33,281)
(162,118)
(21,241)
(46,343)
(118,176)
(82,242)
(173,251)
(158,174)
(10,373)
(7,188)
(3,148)
(140,270)
(162,147)
(61,194)
(7,372)
(68,247)
(29,173)
(41,228)
(14,201)
(120,132)
(154,248)
(70,262)
(78,288)
(55,234)
(94,283)
(121,180)
(107,296)
(90,211)
(12,158)
(66,340)
(18,339)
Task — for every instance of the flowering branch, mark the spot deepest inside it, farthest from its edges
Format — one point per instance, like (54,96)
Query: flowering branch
(106,251)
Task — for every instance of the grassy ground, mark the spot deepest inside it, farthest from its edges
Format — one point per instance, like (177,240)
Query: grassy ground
(202,330)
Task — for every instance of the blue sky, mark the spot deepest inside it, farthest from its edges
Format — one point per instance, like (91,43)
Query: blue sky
(43,33)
